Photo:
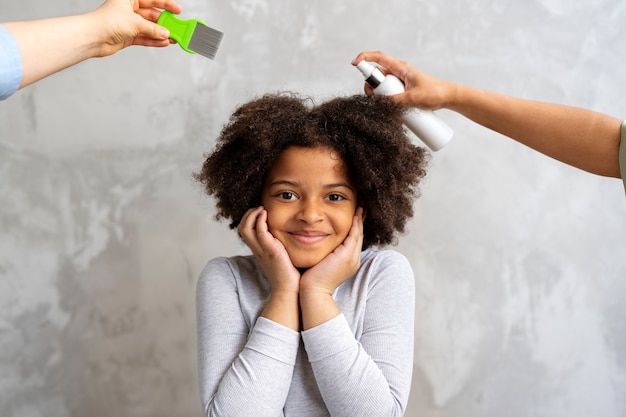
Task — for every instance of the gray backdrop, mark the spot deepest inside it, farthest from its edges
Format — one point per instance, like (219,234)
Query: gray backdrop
(520,261)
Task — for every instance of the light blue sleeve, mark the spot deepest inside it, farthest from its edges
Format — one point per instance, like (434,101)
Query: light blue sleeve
(11,70)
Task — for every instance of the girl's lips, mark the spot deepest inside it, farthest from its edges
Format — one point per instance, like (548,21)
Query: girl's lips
(308,237)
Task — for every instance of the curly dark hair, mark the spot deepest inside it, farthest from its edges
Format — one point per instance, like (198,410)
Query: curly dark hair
(365,130)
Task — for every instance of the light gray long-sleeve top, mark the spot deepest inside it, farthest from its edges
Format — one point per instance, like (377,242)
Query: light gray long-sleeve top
(356,364)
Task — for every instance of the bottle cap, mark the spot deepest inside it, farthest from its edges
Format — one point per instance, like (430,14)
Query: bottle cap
(373,75)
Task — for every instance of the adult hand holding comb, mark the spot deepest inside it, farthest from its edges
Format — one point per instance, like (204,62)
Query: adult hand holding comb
(38,48)
(123,28)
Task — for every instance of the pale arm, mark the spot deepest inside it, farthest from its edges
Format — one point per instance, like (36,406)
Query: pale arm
(50,45)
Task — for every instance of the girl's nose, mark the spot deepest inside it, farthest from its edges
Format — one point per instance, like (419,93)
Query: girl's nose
(310,211)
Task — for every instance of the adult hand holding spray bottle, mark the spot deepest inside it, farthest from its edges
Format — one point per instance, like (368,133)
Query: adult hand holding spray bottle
(425,124)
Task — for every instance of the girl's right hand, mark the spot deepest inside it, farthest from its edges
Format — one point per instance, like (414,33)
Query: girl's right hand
(269,251)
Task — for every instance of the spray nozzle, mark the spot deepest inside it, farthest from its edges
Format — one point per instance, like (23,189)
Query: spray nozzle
(373,75)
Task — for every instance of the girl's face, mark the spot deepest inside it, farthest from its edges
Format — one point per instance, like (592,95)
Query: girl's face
(310,203)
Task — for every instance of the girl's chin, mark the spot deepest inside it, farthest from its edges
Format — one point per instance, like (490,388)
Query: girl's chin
(302,262)
(304,265)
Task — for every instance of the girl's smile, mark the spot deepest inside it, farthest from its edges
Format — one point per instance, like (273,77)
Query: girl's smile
(308,237)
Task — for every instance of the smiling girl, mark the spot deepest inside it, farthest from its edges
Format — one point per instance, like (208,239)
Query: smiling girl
(317,321)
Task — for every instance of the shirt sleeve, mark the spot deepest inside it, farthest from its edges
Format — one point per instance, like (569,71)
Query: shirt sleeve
(11,70)
(371,376)
(622,154)
(242,371)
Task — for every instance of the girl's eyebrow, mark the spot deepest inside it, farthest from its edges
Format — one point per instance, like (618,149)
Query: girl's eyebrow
(325,186)
(339,185)
(283,182)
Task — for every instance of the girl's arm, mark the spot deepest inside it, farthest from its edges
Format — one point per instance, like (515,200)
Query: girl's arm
(318,284)
(240,370)
(370,376)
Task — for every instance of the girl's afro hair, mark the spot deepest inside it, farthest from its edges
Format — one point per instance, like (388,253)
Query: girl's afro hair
(365,130)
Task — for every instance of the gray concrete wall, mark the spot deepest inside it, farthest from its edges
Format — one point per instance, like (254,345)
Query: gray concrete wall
(520,261)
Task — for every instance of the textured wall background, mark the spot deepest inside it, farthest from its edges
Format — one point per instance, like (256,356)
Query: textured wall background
(520,261)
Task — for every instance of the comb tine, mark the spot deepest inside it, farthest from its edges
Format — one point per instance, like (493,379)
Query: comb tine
(205,40)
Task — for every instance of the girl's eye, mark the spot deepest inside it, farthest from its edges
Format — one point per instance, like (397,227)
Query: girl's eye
(336,197)
(286,195)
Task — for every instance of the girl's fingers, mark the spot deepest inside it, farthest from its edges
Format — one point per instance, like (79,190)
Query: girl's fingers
(354,241)
(255,232)
(357,224)
(261,227)
(247,225)
(356,232)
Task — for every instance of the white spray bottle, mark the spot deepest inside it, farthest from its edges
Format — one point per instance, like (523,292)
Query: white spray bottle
(429,128)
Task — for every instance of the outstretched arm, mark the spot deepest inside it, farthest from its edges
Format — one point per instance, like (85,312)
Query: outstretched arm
(50,45)
(579,137)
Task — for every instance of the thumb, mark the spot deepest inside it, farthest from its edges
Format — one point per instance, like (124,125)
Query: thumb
(152,30)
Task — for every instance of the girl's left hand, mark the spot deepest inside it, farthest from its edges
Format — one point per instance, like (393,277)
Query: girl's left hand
(339,265)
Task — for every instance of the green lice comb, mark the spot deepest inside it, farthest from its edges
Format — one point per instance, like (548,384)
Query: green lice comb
(193,35)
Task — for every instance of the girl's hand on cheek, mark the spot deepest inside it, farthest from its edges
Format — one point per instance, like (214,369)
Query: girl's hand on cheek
(269,251)
(339,265)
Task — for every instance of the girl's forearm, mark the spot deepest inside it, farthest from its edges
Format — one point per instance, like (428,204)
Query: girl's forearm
(317,307)
(282,308)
